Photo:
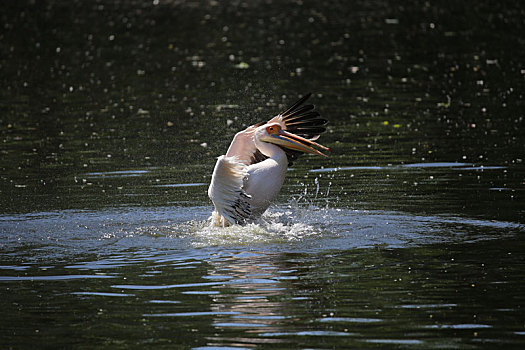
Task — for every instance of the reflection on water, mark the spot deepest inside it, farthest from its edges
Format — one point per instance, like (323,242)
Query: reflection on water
(407,236)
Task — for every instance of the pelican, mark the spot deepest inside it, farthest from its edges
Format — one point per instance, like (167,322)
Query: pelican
(250,175)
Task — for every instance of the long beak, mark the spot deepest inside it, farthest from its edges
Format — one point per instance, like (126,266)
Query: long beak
(298,143)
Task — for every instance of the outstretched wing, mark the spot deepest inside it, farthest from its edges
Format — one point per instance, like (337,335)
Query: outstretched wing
(243,146)
(227,193)
(304,121)
(301,120)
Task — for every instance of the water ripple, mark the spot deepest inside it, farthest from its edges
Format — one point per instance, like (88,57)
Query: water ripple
(51,278)
(104,294)
(169,286)
(192,314)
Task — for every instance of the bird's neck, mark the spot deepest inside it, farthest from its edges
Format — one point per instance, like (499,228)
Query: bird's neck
(272,151)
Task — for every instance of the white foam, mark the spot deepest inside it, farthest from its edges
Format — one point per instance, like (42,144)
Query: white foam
(277,225)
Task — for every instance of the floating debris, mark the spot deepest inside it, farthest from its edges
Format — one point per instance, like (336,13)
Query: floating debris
(242,65)
(218,108)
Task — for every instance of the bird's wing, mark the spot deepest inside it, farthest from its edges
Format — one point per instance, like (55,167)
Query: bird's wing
(243,147)
(226,190)
(301,120)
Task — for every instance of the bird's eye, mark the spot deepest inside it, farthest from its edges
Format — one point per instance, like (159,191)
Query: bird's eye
(272,129)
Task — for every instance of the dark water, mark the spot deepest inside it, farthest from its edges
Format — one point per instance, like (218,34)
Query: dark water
(408,236)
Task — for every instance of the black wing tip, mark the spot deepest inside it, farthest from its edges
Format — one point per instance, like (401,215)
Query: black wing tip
(305,121)
(302,99)
(297,104)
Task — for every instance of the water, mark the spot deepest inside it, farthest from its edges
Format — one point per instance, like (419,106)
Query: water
(408,236)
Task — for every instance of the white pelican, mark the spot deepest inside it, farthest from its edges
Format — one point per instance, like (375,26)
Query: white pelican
(249,177)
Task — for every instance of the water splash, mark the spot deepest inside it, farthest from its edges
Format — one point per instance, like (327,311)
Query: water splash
(316,181)
(296,221)
(277,225)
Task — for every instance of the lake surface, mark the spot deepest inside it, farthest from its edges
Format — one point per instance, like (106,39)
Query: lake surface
(410,235)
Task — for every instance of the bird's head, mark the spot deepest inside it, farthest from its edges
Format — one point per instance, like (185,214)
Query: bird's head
(275,134)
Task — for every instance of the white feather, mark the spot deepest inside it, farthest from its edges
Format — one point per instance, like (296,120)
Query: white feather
(249,177)
(226,192)
(265,180)
(243,146)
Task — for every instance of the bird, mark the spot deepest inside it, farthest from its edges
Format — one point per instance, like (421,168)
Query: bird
(250,175)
